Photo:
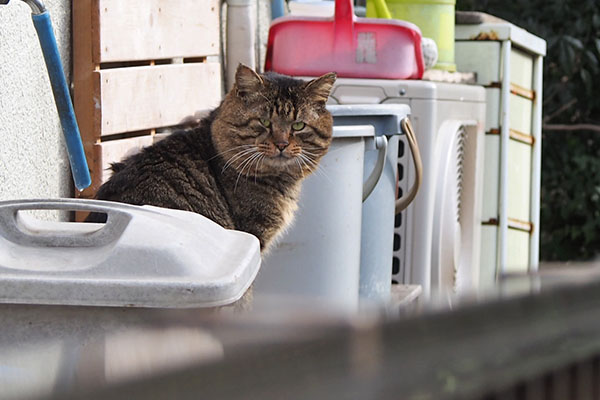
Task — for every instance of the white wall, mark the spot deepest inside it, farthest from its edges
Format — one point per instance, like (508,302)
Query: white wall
(33,159)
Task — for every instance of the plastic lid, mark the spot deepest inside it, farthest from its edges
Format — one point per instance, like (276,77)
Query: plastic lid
(143,256)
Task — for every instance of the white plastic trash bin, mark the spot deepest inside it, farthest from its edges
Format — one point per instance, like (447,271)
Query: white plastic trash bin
(319,256)
(378,211)
(143,256)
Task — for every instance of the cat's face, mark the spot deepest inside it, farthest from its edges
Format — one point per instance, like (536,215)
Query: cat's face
(272,124)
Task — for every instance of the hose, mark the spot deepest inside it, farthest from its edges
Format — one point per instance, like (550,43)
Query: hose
(405,200)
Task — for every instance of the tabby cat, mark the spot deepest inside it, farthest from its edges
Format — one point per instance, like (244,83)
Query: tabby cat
(242,166)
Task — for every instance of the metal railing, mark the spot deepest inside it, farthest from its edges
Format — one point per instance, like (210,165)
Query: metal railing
(526,346)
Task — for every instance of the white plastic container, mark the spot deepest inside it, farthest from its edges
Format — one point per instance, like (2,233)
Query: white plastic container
(142,257)
(319,257)
(377,232)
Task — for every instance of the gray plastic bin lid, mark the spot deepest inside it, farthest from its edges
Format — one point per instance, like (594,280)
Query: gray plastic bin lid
(143,256)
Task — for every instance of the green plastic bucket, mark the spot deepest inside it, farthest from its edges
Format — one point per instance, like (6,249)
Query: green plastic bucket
(435,18)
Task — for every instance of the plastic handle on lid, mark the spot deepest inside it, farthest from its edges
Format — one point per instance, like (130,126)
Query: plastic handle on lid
(15,231)
(79,166)
(381,144)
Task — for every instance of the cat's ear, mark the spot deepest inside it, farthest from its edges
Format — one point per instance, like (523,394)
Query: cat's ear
(320,88)
(247,81)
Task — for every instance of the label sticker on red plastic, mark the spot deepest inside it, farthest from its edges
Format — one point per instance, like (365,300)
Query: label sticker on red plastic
(366,45)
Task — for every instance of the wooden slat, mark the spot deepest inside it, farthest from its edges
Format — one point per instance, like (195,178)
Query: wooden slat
(113,151)
(524,226)
(521,91)
(513,223)
(83,87)
(514,89)
(521,137)
(106,153)
(141,98)
(155,29)
(491,221)
(514,134)
(160,136)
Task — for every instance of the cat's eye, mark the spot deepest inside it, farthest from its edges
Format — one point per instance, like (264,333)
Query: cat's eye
(298,126)
(266,123)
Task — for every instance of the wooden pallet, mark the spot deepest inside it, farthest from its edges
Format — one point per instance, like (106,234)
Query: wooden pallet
(140,66)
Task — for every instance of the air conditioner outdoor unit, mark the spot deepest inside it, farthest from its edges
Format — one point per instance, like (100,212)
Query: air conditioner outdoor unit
(437,238)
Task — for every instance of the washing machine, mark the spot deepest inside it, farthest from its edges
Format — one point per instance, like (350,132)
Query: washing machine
(437,238)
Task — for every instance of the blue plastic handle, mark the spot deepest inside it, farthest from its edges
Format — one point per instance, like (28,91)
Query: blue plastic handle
(277,9)
(79,166)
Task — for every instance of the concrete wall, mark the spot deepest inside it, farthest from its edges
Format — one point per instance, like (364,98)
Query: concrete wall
(33,160)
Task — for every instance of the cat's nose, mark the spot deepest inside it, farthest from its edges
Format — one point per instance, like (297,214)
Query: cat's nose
(282,145)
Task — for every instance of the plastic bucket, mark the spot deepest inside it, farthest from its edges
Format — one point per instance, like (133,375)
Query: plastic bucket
(435,19)
(319,256)
(377,232)
(378,211)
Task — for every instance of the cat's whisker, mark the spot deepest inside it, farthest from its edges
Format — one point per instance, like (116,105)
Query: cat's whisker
(299,166)
(308,161)
(236,157)
(251,163)
(322,174)
(311,148)
(245,151)
(309,153)
(258,161)
(247,162)
(308,167)
(263,159)
(235,148)
(307,158)
(222,153)
(316,166)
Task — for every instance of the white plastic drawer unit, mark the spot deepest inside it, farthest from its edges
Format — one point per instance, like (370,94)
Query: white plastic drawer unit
(508,62)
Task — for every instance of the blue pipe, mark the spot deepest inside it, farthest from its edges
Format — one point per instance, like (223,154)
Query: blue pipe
(277,9)
(62,98)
